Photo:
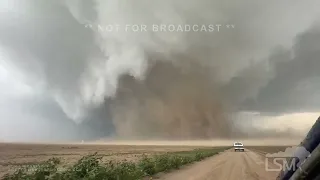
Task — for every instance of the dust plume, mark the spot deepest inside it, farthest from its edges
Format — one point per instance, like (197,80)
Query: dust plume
(170,104)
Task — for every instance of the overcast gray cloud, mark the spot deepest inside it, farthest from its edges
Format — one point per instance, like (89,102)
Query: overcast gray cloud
(158,84)
(294,79)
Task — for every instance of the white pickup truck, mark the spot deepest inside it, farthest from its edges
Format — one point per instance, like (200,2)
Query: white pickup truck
(238,146)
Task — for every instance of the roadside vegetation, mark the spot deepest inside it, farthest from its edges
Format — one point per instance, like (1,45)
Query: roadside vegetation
(91,167)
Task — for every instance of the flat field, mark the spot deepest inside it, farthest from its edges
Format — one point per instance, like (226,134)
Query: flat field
(268,149)
(13,156)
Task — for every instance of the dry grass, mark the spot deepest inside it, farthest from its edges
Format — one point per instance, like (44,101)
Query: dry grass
(12,156)
(268,149)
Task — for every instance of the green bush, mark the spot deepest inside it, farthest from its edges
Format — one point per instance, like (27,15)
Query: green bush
(91,167)
(147,166)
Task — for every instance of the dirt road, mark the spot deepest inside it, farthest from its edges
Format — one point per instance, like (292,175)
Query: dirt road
(228,165)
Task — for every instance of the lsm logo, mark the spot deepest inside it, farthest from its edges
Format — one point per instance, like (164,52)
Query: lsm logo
(291,158)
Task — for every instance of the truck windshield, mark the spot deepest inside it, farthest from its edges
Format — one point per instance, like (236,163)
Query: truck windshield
(238,143)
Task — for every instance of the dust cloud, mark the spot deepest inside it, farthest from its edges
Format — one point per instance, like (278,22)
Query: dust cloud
(170,104)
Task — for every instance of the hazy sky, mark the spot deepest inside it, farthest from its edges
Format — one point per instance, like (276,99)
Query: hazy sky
(61,80)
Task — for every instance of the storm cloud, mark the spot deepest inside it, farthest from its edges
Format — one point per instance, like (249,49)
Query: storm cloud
(165,85)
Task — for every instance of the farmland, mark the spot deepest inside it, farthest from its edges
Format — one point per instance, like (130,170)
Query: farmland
(15,156)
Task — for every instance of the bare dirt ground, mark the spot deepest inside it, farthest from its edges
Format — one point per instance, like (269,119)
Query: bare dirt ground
(14,155)
(228,165)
